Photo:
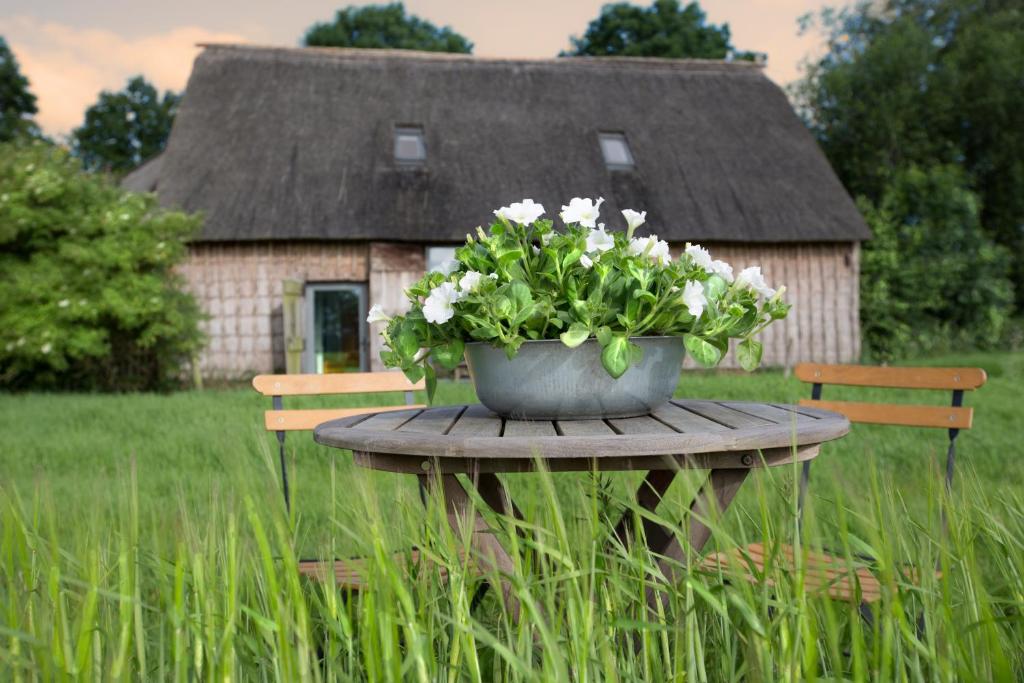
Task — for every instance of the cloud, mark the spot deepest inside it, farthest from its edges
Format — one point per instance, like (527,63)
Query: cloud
(69,66)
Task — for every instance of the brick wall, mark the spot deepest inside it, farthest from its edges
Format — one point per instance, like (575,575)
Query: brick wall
(239,287)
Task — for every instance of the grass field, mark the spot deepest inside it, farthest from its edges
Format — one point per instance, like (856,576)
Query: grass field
(143,536)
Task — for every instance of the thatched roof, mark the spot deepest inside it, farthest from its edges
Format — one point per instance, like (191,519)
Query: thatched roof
(146,177)
(283,143)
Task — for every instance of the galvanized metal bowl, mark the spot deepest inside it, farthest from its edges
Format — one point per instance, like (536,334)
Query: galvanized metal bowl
(549,381)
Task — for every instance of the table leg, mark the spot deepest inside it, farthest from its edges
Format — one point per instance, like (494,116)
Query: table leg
(648,496)
(460,512)
(714,497)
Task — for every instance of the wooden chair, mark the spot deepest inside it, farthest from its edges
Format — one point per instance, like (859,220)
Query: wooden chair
(346,572)
(825,572)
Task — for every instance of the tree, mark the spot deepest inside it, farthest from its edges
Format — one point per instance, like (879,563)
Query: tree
(385,26)
(17,103)
(665,29)
(931,280)
(90,296)
(124,129)
(926,82)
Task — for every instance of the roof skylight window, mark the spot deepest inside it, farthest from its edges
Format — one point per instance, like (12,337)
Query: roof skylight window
(410,149)
(617,155)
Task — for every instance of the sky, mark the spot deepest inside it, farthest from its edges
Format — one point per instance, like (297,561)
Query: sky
(71,50)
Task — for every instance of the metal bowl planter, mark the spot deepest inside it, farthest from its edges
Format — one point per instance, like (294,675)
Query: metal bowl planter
(549,381)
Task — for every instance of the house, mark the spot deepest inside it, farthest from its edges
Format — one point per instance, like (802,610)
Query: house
(330,179)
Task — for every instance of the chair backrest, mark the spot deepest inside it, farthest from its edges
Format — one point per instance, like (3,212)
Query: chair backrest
(957,380)
(278,386)
(281,421)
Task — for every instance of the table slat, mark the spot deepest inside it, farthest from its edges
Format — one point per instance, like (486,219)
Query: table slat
(477,421)
(640,425)
(772,413)
(386,422)
(433,421)
(584,428)
(725,415)
(529,428)
(684,421)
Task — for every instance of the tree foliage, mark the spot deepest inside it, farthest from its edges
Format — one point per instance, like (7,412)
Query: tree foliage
(931,279)
(89,296)
(384,26)
(926,82)
(17,103)
(665,29)
(125,128)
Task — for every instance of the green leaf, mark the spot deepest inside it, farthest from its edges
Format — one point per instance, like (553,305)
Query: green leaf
(523,315)
(575,335)
(507,257)
(449,355)
(503,307)
(484,332)
(616,356)
(408,344)
(748,352)
(604,335)
(413,374)
(428,371)
(571,258)
(703,352)
(520,293)
(645,295)
(715,287)
(636,353)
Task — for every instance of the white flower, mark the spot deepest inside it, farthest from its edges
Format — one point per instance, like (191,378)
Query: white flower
(546,238)
(700,256)
(377,315)
(439,306)
(470,281)
(751,278)
(655,249)
(634,219)
(524,212)
(493,276)
(64,303)
(448,267)
(722,270)
(598,240)
(46,348)
(585,261)
(582,211)
(693,297)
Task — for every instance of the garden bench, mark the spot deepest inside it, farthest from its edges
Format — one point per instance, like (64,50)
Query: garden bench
(347,573)
(827,573)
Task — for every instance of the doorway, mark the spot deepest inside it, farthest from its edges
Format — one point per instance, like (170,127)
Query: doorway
(336,330)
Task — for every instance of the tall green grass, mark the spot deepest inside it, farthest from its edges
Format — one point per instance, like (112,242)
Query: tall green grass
(144,538)
(222,599)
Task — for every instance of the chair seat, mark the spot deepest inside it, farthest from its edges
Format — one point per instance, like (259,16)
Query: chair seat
(352,573)
(823,573)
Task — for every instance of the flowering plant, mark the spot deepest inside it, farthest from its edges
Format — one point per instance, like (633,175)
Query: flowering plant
(523,280)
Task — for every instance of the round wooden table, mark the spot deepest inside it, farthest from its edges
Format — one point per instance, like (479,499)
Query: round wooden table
(729,438)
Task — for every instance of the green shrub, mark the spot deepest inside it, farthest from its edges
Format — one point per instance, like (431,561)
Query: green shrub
(89,296)
(930,279)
